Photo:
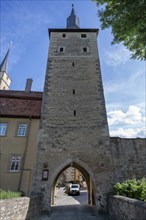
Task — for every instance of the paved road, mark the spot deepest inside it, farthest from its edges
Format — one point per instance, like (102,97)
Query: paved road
(61,198)
(73,212)
(72,208)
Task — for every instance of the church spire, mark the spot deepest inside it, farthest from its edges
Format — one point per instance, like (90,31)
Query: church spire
(5,80)
(4,64)
(72,20)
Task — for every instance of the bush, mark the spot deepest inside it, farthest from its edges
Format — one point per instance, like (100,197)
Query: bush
(132,188)
(8,194)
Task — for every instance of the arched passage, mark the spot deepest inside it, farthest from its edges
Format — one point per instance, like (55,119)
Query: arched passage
(87,177)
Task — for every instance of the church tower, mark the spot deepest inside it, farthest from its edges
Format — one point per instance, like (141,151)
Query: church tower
(5,80)
(73,129)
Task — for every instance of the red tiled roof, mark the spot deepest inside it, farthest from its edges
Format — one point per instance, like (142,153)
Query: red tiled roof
(20,103)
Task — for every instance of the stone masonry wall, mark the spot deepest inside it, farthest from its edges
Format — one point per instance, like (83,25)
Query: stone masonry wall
(123,208)
(34,208)
(14,208)
(20,208)
(73,127)
(129,158)
(73,119)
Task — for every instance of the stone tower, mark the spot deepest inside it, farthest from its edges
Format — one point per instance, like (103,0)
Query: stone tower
(73,129)
(5,80)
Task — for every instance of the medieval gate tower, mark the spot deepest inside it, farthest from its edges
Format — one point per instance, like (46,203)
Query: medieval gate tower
(73,129)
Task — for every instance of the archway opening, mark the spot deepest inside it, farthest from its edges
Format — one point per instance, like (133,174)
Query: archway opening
(72,186)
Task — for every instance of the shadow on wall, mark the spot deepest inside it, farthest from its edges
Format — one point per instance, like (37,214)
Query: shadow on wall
(34,210)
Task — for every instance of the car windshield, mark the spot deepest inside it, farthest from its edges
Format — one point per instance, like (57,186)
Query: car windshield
(74,186)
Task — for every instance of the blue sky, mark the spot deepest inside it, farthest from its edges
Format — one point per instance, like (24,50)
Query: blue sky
(26,24)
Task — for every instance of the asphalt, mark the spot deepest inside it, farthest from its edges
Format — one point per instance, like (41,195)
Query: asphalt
(72,208)
(73,212)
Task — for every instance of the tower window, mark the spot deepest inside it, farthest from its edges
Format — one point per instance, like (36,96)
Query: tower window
(74,112)
(83,35)
(61,49)
(73,91)
(73,63)
(84,49)
(63,35)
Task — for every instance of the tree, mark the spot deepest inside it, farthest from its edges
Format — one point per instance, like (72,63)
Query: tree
(127,19)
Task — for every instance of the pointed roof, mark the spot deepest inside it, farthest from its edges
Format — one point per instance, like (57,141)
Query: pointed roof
(4,64)
(72,20)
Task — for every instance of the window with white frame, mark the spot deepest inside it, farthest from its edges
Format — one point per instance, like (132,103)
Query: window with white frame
(22,129)
(3,129)
(15,163)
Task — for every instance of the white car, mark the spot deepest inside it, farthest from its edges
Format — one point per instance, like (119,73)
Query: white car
(74,189)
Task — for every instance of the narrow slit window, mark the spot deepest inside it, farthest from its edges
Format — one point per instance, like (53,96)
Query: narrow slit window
(74,112)
(73,63)
(73,91)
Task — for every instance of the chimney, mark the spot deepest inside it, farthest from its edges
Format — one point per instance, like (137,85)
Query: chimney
(28,85)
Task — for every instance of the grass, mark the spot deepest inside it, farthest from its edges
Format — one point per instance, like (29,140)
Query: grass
(9,194)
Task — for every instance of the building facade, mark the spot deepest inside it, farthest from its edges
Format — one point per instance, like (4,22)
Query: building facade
(73,123)
(19,123)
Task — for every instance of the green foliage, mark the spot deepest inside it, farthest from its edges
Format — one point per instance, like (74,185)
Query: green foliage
(132,188)
(127,20)
(8,194)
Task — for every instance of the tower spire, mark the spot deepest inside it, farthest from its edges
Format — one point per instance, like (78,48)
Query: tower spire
(4,64)
(5,80)
(72,20)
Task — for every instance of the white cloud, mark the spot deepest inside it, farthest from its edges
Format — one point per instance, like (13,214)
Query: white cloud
(127,124)
(128,132)
(131,117)
(116,56)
